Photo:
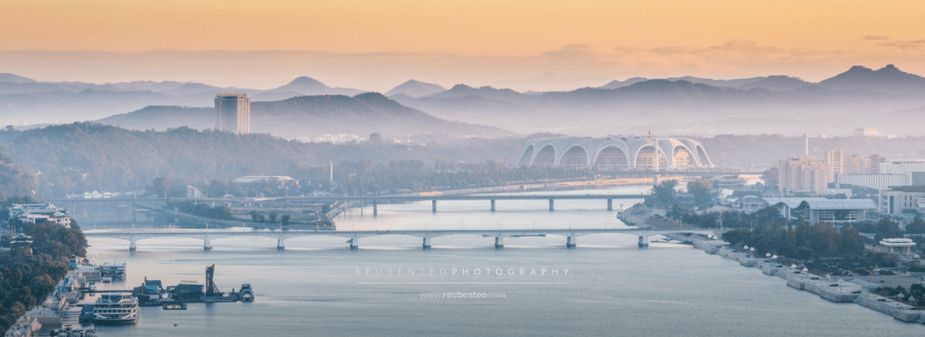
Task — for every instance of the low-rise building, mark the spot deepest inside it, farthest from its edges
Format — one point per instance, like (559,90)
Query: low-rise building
(278,180)
(876,181)
(836,212)
(21,245)
(25,326)
(898,246)
(40,213)
(898,200)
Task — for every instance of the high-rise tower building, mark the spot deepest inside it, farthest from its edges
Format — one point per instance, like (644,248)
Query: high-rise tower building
(233,113)
(835,162)
(803,175)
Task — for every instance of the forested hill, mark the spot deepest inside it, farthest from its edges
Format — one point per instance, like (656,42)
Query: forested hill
(311,117)
(14,182)
(25,281)
(82,157)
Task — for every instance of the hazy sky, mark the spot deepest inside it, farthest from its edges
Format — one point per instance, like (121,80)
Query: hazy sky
(553,44)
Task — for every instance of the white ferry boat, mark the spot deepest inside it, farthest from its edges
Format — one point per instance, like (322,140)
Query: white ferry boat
(115,309)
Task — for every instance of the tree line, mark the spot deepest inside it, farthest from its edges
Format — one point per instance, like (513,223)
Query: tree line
(25,281)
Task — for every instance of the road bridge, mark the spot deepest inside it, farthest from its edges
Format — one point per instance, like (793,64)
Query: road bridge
(353,236)
(376,200)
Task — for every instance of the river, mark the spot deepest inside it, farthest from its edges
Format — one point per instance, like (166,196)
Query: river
(464,287)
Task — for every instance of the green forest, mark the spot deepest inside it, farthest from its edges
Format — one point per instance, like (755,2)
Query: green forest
(25,281)
(82,157)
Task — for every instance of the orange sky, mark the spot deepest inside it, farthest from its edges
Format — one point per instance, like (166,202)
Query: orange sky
(549,44)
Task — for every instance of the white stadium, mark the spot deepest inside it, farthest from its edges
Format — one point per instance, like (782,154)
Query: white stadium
(616,153)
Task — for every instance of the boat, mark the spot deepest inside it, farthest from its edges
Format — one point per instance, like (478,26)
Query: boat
(246,293)
(149,293)
(174,306)
(213,293)
(72,332)
(115,271)
(186,292)
(115,309)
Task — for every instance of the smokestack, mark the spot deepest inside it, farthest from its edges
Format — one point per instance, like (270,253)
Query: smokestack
(806,145)
(331,173)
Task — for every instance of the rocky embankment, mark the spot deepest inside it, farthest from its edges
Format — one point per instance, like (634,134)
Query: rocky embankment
(834,290)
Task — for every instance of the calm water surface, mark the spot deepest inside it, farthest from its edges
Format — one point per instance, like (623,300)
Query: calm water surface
(463,287)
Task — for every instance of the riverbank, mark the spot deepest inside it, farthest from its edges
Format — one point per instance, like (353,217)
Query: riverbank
(60,308)
(833,290)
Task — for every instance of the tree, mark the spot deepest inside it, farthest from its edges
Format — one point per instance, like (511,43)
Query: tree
(664,194)
(917,226)
(803,253)
(272,217)
(702,191)
(771,177)
(851,242)
(769,216)
(375,138)
(285,220)
(887,228)
(159,186)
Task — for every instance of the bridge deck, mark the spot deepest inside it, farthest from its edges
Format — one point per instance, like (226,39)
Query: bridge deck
(400,198)
(364,233)
(353,236)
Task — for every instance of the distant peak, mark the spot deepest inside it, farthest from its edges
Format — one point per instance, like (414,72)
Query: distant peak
(305,85)
(859,69)
(9,77)
(371,95)
(461,86)
(304,80)
(415,88)
(889,68)
(412,81)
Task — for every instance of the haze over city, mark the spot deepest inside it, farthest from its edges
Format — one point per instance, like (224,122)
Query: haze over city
(462,168)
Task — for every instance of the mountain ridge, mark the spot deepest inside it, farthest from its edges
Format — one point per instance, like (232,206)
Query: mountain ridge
(860,96)
(312,117)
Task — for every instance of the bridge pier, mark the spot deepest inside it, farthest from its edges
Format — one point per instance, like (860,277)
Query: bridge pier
(499,242)
(552,205)
(570,242)
(425,244)
(131,245)
(643,241)
(492,205)
(609,205)
(433,206)
(206,244)
(280,243)
(354,243)
(375,208)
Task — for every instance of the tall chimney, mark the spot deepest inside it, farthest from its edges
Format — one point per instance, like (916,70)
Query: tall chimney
(331,173)
(806,144)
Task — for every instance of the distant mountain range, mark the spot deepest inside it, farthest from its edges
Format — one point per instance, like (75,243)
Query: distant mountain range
(312,117)
(858,97)
(27,101)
